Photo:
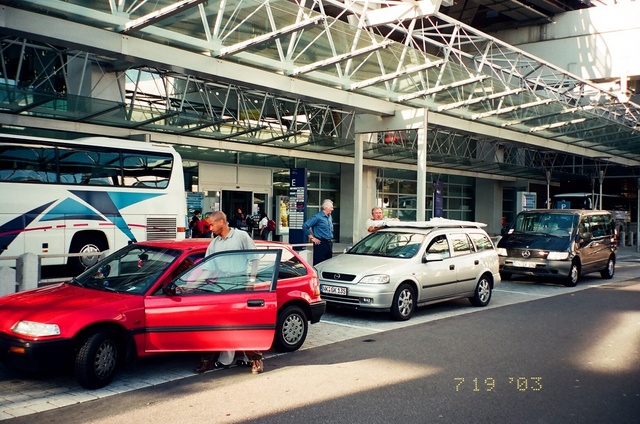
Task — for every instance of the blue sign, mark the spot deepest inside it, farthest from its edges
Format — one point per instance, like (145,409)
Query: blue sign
(297,204)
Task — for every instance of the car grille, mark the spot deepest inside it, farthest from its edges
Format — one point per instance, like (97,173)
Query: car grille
(517,253)
(336,276)
(350,300)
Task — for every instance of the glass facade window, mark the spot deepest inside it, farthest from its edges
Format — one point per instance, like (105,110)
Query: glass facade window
(397,195)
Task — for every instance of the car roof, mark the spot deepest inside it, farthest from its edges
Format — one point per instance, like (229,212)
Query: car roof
(569,211)
(433,223)
(193,243)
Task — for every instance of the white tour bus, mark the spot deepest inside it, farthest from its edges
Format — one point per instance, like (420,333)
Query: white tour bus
(87,195)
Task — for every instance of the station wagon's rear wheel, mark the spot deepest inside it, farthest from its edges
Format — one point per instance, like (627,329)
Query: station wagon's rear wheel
(610,269)
(482,295)
(404,303)
(291,329)
(96,360)
(574,275)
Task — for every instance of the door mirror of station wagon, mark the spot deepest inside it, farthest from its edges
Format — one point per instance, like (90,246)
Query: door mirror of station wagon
(431,257)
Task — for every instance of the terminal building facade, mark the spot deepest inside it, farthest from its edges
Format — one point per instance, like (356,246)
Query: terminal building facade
(424,108)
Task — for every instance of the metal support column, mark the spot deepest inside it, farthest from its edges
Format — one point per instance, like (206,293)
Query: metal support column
(358,186)
(421,192)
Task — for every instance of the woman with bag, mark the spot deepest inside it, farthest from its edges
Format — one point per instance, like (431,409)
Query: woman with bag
(264,221)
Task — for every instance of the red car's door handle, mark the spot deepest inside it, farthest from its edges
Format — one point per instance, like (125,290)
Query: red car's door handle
(255,302)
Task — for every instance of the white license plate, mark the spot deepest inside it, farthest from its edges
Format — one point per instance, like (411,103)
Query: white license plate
(333,290)
(524,264)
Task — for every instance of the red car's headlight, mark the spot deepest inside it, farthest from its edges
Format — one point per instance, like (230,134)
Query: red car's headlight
(35,329)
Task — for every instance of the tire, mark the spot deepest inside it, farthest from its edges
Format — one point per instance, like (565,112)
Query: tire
(505,275)
(291,329)
(96,361)
(404,303)
(574,275)
(85,244)
(482,294)
(610,269)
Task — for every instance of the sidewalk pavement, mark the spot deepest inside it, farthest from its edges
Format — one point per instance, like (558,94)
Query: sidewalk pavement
(628,253)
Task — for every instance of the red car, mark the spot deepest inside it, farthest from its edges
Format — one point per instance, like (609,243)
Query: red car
(162,296)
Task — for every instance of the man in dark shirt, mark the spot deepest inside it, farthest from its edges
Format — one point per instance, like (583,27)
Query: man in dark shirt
(320,232)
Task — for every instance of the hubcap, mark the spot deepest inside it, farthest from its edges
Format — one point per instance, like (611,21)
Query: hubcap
(405,303)
(105,360)
(88,261)
(483,290)
(292,329)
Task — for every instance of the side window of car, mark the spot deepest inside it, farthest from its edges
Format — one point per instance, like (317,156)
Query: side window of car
(583,227)
(230,272)
(187,263)
(439,246)
(461,244)
(481,241)
(598,227)
(290,266)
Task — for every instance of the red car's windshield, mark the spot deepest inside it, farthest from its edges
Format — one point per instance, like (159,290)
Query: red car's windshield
(132,269)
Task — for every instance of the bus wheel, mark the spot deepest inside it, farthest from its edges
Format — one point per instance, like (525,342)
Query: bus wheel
(85,244)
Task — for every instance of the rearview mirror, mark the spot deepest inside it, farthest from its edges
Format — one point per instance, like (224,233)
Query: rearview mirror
(170,289)
(431,257)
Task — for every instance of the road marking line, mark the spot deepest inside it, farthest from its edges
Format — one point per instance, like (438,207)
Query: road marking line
(376,330)
(525,293)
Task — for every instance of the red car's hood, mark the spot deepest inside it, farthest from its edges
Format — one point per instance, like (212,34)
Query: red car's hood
(49,304)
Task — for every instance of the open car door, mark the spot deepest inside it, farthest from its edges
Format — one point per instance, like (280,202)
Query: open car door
(226,302)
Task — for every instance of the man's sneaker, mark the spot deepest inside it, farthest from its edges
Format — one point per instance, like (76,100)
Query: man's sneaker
(257,366)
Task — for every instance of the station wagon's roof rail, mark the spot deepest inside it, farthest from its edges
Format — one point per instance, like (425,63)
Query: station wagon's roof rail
(432,223)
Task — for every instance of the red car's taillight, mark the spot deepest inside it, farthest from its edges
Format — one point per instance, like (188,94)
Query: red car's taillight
(315,285)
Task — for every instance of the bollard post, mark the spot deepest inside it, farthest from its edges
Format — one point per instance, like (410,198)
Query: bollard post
(308,256)
(27,271)
(623,239)
(7,280)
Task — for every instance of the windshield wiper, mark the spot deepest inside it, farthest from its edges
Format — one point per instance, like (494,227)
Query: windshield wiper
(76,282)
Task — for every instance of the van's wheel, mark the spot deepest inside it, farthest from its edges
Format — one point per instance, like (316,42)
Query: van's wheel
(482,294)
(85,244)
(291,329)
(610,269)
(96,360)
(505,275)
(404,303)
(574,274)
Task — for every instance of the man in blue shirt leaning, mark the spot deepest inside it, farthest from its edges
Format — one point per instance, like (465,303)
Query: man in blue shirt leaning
(320,232)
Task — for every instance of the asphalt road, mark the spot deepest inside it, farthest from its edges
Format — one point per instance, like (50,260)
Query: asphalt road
(570,358)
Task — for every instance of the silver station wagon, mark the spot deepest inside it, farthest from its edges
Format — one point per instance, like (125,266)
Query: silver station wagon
(410,264)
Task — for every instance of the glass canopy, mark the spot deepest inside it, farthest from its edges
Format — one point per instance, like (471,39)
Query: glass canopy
(407,57)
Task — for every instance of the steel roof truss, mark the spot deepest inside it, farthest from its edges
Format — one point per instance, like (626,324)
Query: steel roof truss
(339,58)
(511,109)
(236,48)
(159,15)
